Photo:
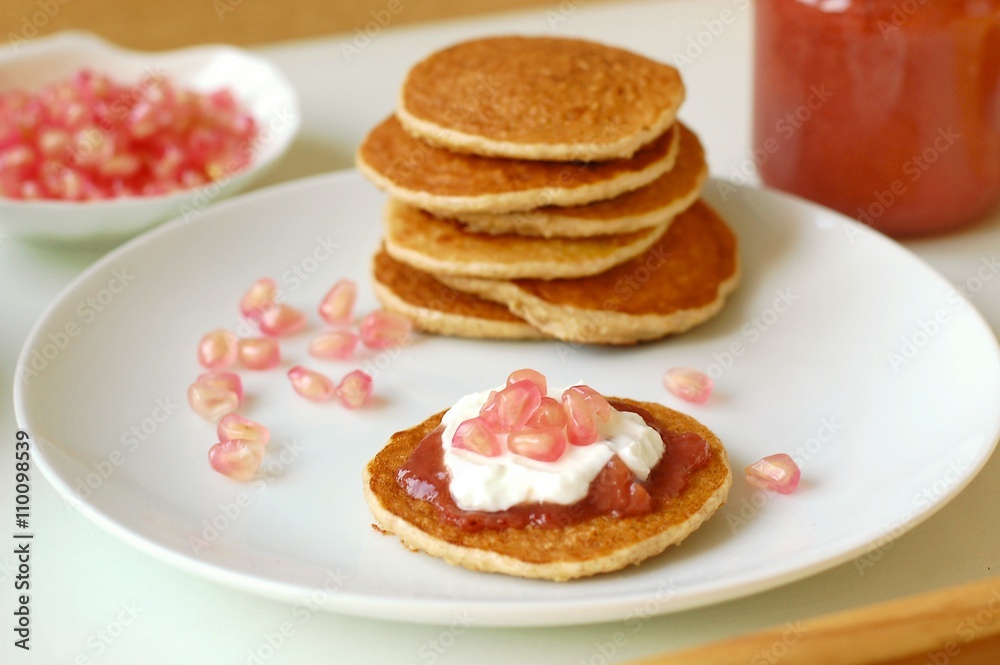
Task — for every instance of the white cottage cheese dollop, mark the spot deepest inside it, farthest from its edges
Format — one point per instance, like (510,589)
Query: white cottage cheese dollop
(491,484)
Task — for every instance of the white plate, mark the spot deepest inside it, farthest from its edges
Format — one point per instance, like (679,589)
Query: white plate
(802,356)
(257,84)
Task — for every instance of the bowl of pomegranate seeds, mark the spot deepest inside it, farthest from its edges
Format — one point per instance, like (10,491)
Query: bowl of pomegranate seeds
(100,143)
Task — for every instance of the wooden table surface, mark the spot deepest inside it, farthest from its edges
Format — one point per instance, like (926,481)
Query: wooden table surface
(176,23)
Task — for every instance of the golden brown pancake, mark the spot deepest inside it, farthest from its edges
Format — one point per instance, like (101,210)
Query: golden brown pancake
(663,199)
(539,98)
(444,247)
(436,308)
(448,183)
(680,281)
(598,545)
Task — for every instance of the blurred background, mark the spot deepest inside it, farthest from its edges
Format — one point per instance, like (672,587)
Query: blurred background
(174,23)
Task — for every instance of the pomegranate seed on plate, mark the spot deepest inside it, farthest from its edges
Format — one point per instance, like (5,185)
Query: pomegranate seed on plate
(508,409)
(212,402)
(333,345)
(549,413)
(475,435)
(596,401)
(282,321)
(775,472)
(382,329)
(259,298)
(218,349)
(337,306)
(529,375)
(311,385)
(235,426)
(226,380)
(545,445)
(354,389)
(688,384)
(259,353)
(581,423)
(237,459)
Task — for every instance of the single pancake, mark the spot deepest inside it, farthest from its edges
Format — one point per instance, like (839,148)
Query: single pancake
(444,247)
(436,308)
(597,545)
(539,98)
(661,200)
(679,282)
(448,183)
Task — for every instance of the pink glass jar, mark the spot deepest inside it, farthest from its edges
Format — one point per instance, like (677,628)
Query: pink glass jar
(886,110)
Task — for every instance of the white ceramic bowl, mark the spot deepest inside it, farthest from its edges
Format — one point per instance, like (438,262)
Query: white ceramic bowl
(258,86)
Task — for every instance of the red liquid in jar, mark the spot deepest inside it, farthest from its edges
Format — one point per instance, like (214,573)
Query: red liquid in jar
(888,111)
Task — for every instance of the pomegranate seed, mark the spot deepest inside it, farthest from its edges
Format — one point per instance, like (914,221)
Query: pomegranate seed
(337,306)
(596,401)
(775,472)
(544,445)
(354,389)
(333,345)
(237,459)
(382,329)
(259,298)
(510,408)
(281,321)
(475,435)
(225,380)
(311,385)
(235,426)
(112,149)
(549,413)
(259,353)
(212,402)
(688,384)
(529,375)
(581,425)
(218,349)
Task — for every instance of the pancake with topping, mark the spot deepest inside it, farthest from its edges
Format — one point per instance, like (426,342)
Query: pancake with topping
(560,551)
(448,183)
(680,281)
(659,201)
(539,98)
(436,308)
(445,247)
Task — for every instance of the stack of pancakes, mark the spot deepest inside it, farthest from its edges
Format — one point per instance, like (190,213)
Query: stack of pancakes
(543,187)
